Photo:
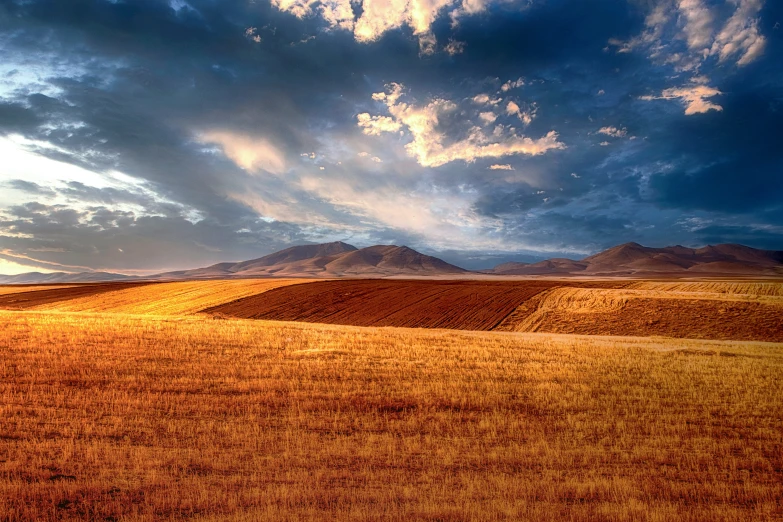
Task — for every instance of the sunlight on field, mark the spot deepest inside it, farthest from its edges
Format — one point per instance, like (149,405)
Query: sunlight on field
(17,289)
(142,418)
(179,298)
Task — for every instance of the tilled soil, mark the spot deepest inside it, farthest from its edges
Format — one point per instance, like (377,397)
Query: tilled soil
(462,305)
(26,300)
(682,318)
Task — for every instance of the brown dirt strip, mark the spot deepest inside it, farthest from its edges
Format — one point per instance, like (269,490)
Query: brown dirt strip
(25,300)
(462,305)
(681,318)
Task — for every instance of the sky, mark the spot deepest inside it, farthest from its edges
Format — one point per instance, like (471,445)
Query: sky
(139,136)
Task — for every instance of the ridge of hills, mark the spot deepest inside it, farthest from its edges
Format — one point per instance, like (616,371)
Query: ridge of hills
(340,259)
(330,260)
(631,259)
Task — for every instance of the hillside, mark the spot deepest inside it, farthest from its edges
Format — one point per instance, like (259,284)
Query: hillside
(62,277)
(635,259)
(340,259)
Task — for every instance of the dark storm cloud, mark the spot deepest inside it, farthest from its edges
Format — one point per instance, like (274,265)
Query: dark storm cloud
(182,99)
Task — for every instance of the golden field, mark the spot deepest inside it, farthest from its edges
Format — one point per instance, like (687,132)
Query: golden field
(176,298)
(131,417)
(18,289)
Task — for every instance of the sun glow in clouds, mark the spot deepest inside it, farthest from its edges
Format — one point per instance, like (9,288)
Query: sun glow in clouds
(430,145)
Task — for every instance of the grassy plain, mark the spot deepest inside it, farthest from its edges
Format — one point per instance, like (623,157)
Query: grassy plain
(18,289)
(126,417)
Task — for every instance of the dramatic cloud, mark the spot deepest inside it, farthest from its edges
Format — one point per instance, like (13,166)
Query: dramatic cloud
(249,153)
(740,36)
(698,23)
(379,16)
(147,135)
(433,147)
(695,98)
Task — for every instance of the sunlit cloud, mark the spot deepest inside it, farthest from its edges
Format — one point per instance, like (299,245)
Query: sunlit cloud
(379,16)
(430,146)
(253,154)
(694,97)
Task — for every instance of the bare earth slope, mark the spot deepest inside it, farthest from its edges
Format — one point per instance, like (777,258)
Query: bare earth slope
(705,311)
(695,315)
(464,305)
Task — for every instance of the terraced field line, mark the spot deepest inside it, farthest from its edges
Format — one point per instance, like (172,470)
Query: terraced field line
(18,289)
(175,298)
(53,295)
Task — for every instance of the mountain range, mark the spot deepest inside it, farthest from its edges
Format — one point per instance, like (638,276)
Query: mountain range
(340,259)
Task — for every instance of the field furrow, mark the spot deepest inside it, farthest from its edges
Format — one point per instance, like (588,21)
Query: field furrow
(463,305)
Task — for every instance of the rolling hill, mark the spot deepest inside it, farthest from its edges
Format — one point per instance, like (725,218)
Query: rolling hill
(633,259)
(331,260)
(338,259)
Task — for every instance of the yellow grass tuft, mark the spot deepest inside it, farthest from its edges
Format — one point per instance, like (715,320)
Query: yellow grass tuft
(127,417)
(178,298)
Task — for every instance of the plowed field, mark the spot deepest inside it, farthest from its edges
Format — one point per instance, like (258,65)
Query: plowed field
(694,315)
(461,305)
(691,319)
(30,299)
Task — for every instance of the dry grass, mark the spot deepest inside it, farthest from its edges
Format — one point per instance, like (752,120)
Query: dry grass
(680,311)
(8,290)
(142,418)
(179,298)
(720,287)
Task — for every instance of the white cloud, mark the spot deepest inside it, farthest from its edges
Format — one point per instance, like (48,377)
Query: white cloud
(501,167)
(604,143)
(376,159)
(512,84)
(430,144)
(251,32)
(454,47)
(467,7)
(380,16)
(695,22)
(338,13)
(698,23)
(484,99)
(740,36)
(442,217)
(695,98)
(613,132)
(527,116)
(488,117)
(601,92)
(251,153)
(375,125)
